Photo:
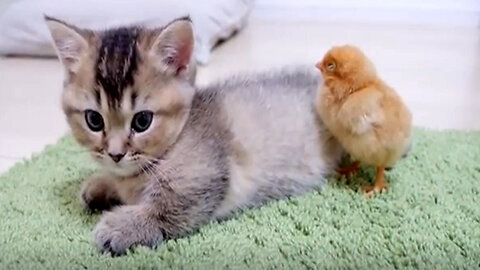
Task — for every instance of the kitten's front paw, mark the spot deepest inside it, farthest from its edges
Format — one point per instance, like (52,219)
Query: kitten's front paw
(124,227)
(100,194)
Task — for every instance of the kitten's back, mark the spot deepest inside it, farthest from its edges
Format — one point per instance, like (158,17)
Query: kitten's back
(279,147)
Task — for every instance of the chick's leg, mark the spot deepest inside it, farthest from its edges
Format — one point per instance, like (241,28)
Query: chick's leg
(379,183)
(349,169)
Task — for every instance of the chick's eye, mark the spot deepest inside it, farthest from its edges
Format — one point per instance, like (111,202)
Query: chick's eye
(94,120)
(330,66)
(142,120)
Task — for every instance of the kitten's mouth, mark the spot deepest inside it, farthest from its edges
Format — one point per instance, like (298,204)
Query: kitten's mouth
(122,168)
(125,167)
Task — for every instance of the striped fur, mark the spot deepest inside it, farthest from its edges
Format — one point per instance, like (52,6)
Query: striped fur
(117,62)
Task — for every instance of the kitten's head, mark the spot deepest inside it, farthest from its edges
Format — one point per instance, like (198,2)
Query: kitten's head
(126,93)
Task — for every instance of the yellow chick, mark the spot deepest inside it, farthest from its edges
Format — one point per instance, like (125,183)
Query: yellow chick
(367,117)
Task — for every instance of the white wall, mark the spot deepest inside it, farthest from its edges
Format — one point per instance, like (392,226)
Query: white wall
(434,12)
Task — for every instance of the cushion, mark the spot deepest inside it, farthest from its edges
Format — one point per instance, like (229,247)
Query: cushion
(23,31)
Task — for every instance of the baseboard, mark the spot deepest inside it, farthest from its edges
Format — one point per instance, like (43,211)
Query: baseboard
(428,12)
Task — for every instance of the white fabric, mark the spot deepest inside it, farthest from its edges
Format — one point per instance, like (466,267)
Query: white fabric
(23,31)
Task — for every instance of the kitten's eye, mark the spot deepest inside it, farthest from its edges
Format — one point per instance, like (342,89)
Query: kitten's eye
(94,120)
(142,120)
(331,66)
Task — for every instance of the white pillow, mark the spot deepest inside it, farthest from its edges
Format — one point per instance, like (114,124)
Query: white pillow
(23,31)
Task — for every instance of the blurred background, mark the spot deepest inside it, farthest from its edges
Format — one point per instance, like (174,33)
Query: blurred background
(428,50)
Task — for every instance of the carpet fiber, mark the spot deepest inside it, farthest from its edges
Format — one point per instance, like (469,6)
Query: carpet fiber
(429,219)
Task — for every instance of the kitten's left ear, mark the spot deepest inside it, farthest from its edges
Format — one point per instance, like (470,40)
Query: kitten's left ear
(172,49)
(70,43)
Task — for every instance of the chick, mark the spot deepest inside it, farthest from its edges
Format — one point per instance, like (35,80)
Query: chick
(366,116)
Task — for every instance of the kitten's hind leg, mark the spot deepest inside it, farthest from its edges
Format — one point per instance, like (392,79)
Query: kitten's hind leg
(103,192)
(99,193)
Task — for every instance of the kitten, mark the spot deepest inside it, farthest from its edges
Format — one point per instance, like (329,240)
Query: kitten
(175,157)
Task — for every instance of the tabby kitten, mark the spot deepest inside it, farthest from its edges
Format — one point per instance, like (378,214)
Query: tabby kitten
(174,157)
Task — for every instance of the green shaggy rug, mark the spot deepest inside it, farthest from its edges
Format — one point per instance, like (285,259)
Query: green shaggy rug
(429,219)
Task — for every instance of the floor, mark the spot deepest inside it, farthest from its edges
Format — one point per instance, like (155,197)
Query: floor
(436,70)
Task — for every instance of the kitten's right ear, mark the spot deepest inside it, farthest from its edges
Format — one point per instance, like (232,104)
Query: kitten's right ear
(172,48)
(71,45)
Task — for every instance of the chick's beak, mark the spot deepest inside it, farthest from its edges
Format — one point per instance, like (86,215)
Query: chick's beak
(319,66)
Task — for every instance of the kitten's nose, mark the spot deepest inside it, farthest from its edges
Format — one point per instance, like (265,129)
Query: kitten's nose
(116,157)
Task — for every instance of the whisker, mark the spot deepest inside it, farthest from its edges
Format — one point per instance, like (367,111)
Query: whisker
(151,172)
(140,166)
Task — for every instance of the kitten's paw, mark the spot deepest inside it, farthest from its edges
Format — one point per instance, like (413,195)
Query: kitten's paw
(98,194)
(125,227)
